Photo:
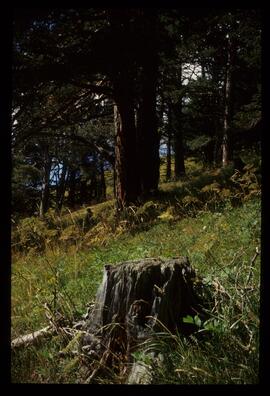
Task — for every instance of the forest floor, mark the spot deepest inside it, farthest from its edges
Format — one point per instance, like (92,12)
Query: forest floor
(212,216)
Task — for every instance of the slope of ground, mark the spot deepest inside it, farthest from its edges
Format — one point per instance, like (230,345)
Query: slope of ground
(195,218)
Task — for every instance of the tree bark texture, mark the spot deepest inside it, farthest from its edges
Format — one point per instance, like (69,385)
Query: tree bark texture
(127,187)
(122,78)
(137,298)
(148,133)
(179,163)
(137,141)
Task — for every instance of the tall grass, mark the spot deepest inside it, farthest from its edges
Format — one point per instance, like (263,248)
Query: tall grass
(225,348)
(220,240)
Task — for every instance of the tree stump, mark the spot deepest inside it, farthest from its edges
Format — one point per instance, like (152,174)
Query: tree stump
(137,298)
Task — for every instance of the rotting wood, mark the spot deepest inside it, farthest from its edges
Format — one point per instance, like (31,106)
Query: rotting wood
(135,299)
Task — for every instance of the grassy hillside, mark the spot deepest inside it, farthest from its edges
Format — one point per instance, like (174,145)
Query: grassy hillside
(212,216)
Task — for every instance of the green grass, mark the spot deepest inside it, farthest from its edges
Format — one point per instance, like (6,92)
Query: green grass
(69,280)
(220,242)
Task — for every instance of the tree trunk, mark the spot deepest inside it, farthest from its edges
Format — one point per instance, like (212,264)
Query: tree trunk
(127,186)
(137,298)
(176,109)
(179,163)
(122,77)
(227,109)
(114,182)
(45,191)
(61,187)
(169,158)
(136,151)
(169,145)
(148,133)
(72,187)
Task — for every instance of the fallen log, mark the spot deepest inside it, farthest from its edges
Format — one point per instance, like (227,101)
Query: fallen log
(32,338)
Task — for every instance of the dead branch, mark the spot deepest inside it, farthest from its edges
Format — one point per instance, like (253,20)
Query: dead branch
(32,338)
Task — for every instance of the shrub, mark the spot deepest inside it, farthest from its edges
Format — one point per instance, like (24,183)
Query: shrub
(33,233)
(148,212)
(70,234)
(104,211)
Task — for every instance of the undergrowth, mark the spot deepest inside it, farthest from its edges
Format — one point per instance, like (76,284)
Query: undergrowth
(225,347)
(214,219)
(210,191)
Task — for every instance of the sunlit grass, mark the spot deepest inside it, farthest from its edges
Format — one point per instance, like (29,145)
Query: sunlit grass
(220,242)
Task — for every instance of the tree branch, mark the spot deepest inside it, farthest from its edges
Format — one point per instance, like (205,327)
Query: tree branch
(32,338)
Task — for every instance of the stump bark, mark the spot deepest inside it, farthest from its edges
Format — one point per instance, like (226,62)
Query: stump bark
(137,298)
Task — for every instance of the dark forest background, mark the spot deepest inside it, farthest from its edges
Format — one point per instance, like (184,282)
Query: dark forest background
(105,89)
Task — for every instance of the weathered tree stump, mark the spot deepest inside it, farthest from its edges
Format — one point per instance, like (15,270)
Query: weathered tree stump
(137,298)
